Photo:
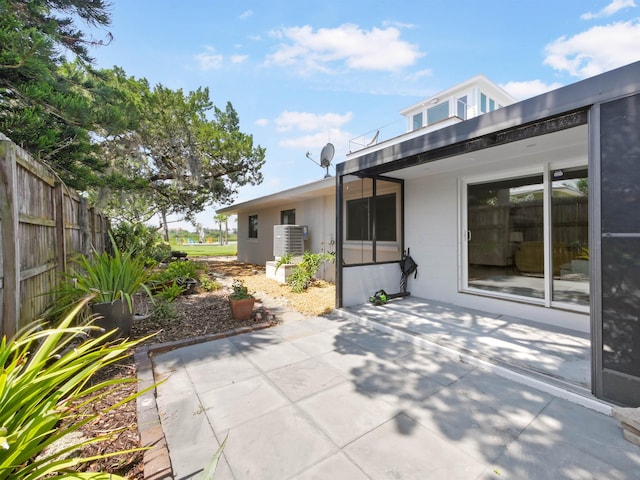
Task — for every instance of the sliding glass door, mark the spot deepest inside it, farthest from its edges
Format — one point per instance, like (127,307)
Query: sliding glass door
(528,238)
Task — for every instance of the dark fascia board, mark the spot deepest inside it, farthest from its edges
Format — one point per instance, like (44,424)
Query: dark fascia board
(578,96)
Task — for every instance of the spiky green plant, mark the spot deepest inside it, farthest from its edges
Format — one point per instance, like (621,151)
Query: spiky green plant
(45,390)
(303,275)
(106,276)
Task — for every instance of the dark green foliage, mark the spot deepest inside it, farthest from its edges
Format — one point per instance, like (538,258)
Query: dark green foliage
(180,269)
(169,292)
(164,310)
(47,103)
(144,241)
(136,150)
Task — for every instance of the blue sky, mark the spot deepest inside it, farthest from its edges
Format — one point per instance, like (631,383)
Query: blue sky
(301,74)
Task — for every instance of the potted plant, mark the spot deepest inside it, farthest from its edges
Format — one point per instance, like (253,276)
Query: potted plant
(241,301)
(111,280)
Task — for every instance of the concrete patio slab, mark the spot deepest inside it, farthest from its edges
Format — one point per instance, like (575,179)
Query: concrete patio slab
(317,399)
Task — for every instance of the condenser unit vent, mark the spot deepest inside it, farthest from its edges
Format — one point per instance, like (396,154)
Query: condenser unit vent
(288,239)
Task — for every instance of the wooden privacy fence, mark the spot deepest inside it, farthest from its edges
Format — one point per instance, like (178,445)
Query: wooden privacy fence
(42,224)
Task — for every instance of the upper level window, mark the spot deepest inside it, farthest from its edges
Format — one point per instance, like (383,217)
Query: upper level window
(417,121)
(483,103)
(438,113)
(253,226)
(462,108)
(288,217)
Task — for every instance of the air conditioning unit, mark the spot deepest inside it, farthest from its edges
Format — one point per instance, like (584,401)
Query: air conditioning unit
(288,239)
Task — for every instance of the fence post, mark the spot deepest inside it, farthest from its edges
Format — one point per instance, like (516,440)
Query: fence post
(61,238)
(10,246)
(83,224)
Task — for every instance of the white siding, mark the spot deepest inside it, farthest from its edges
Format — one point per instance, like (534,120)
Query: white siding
(317,213)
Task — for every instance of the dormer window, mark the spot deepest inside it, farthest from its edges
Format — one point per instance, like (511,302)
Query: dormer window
(417,121)
(438,113)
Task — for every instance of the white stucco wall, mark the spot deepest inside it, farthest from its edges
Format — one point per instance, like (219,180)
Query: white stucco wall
(317,213)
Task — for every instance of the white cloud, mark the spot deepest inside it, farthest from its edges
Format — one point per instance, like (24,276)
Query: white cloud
(596,50)
(262,122)
(246,14)
(209,60)
(393,23)
(308,122)
(314,142)
(419,75)
(238,58)
(528,89)
(347,45)
(614,7)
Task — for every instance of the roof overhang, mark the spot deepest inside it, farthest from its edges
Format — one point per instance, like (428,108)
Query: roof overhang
(323,187)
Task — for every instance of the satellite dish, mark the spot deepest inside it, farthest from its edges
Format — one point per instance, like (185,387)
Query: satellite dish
(326,155)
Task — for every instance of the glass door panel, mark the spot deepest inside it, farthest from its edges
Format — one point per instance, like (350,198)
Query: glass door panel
(570,235)
(505,247)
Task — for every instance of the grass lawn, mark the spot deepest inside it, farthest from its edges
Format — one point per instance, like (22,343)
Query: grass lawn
(206,250)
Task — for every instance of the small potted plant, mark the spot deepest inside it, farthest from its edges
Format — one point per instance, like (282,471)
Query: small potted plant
(241,301)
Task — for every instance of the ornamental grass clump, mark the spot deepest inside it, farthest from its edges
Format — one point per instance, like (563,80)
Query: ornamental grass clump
(106,277)
(46,394)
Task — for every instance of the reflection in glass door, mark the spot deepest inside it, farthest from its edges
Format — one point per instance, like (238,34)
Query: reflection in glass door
(507,240)
(505,248)
(570,235)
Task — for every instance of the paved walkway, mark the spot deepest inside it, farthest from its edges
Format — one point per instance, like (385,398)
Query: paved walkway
(329,398)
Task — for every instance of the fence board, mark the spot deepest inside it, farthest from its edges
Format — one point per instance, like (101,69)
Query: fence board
(42,224)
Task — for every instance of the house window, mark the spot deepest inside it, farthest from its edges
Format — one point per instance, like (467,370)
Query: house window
(362,213)
(438,113)
(371,219)
(288,217)
(417,121)
(253,226)
(483,103)
(514,249)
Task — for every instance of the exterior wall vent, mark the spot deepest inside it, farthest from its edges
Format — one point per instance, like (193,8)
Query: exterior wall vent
(288,239)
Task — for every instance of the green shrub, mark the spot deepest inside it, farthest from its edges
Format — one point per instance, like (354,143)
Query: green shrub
(164,310)
(45,394)
(304,273)
(207,284)
(179,269)
(171,292)
(145,241)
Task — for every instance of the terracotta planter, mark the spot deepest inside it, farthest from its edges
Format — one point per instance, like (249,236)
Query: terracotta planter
(114,315)
(242,309)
